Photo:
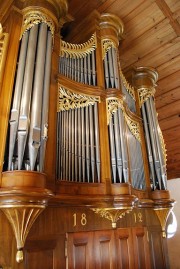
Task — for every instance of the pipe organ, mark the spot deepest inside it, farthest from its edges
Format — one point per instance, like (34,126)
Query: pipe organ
(77,133)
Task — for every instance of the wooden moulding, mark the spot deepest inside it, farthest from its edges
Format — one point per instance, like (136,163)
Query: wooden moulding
(22,198)
(23,179)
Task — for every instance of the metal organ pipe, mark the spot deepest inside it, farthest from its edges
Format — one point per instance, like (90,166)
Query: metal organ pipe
(45,102)
(26,95)
(29,114)
(35,124)
(17,98)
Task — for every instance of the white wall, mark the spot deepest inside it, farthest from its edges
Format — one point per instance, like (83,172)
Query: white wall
(174,242)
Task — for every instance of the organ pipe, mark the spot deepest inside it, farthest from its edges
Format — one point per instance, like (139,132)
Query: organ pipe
(23,126)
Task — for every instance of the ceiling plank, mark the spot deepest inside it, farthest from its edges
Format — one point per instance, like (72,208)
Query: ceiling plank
(167,12)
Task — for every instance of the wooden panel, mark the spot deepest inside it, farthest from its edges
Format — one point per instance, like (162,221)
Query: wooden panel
(169,110)
(104,250)
(141,248)
(169,122)
(125,249)
(79,249)
(168,97)
(158,255)
(41,259)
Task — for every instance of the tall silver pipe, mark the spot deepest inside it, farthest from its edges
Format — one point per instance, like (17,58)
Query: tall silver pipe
(97,148)
(89,69)
(93,68)
(118,146)
(91,125)
(66,144)
(17,97)
(115,67)
(79,145)
(76,145)
(112,148)
(123,145)
(159,147)
(35,124)
(148,143)
(107,76)
(111,71)
(26,95)
(72,144)
(87,143)
(153,143)
(45,102)
(83,144)
(85,70)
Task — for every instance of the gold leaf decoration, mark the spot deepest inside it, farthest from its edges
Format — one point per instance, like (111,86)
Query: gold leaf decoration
(36,17)
(70,100)
(129,88)
(78,50)
(144,94)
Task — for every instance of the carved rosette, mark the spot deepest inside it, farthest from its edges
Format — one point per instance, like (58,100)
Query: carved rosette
(162,214)
(69,100)
(78,50)
(112,214)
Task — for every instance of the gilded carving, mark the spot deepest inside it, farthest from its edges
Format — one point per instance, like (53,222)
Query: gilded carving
(69,100)
(36,17)
(133,126)
(129,88)
(163,214)
(112,105)
(112,214)
(145,93)
(78,50)
(163,146)
(21,218)
(107,44)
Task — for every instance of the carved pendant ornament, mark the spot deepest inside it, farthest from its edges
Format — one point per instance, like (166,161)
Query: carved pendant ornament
(112,214)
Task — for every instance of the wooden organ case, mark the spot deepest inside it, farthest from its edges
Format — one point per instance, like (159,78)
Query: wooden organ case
(81,148)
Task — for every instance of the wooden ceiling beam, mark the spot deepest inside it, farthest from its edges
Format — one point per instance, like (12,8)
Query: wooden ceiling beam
(167,12)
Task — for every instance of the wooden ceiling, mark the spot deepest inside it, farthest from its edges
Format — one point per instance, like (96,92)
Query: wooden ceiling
(151,38)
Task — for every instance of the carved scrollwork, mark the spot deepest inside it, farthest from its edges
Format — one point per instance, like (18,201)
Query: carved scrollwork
(112,214)
(112,105)
(107,44)
(163,146)
(129,88)
(69,100)
(36,17)
(133,126)
(144,94)
(78,50)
